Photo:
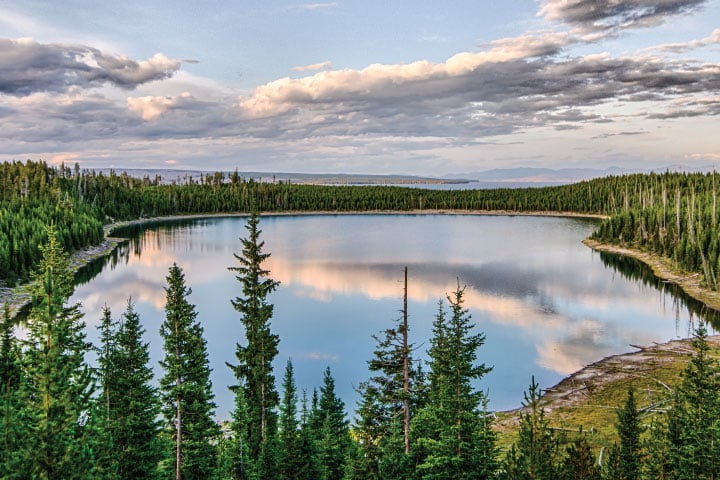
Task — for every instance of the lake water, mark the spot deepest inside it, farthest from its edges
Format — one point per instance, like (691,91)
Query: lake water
(547,304)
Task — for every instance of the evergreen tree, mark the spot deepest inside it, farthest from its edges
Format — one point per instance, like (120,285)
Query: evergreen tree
(254,370)
(57,386)
(628,428)
(657,447)
(308,446)
(386,404)
(185,387)
(130,402)
(290,455)
(534,455)
(579,462)
(334,434)
(10,380)
(695,417)
(240,464)
(454,429)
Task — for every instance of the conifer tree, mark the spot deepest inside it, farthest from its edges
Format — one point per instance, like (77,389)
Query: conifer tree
(185,387)
(57,386)
(534,455)
(130,402)
(386,404)
(238,454)
(290,455)
(628,428)
(334,434)
(456,438)
(579,462)
(308,446)
(695,417)
(254,370)
(10,379)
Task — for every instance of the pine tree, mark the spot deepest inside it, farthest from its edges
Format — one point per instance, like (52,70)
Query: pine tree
(254,370)
(628,428)
(185,387)
(290,455)
(579,462)
(308,446)
(534,454)
(454,428)
(695,417)
(57,388)
(130,402)
(334,434)
(10,380)
(386,403)
(240,464)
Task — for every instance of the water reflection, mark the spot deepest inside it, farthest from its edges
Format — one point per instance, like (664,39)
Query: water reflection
(547,304)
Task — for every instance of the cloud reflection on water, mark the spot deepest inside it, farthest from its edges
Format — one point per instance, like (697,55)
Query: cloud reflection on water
(548,307)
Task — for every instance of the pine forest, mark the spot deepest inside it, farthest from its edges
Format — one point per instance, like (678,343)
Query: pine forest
(65,418)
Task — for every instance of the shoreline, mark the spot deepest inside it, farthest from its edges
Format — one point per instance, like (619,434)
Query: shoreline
(663,269)
(19,297)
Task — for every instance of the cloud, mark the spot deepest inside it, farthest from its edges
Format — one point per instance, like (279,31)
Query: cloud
(327,65)
(315,6)
(150,108)
(711,39)
(611,15)
(383,81)
(27,67)
(704,156)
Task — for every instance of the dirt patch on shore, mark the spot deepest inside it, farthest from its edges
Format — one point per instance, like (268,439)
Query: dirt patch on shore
(589,398)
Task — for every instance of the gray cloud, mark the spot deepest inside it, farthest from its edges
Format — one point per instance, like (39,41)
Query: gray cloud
(27,67)
(610,15)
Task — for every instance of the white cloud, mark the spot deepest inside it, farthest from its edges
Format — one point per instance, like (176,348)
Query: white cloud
(150,108)
(379,79)
(327,65)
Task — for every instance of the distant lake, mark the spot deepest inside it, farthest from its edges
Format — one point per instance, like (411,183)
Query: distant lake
(547,304)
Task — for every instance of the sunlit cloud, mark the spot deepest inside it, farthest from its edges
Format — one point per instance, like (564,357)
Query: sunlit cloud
(327,65)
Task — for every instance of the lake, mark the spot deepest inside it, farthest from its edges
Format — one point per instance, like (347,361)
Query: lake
(547,304)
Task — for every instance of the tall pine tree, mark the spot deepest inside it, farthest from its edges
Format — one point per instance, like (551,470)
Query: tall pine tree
(57,387)
(628,428)
(254,371)
(695,417)
(186,390)
(454,428)
(10,380)
(129,401)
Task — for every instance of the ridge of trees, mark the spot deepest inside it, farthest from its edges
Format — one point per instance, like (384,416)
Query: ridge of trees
(672,214)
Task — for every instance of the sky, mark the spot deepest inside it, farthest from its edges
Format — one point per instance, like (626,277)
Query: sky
(374,87)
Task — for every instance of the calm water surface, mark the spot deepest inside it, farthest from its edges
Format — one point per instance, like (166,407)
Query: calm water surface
(547,304)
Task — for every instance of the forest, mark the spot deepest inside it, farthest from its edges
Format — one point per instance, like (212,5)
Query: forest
(63,418)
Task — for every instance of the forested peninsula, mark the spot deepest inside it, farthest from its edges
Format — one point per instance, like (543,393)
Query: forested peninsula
(62,418)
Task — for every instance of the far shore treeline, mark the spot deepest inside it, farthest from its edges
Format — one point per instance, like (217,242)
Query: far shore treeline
(674,214)
(61,418)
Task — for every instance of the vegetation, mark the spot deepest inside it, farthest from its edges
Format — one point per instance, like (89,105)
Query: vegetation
(674,215)
(63,419)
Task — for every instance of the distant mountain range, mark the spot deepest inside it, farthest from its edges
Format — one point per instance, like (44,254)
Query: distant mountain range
(521,176)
